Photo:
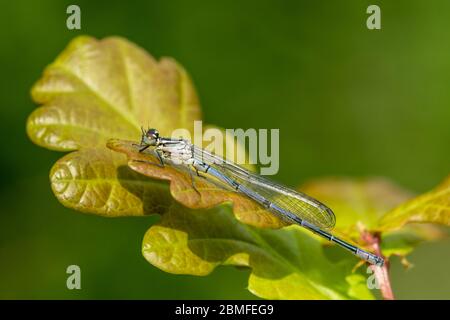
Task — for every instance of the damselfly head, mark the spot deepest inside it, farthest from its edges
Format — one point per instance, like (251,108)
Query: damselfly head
(150,137)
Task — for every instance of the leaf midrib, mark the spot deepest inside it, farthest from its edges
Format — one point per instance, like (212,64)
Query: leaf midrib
(96,94)
(112,181)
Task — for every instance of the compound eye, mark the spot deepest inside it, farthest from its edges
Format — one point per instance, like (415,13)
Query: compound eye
(152,133)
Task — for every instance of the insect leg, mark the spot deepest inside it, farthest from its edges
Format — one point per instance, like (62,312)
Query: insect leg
(143,148)
(159,157)
(193,181)
(198,173)
(160,164)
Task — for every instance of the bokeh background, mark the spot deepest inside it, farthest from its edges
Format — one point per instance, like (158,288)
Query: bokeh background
(348,101)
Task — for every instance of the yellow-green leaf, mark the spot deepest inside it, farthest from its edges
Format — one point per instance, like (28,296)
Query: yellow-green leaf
(432,207)
(286,263)
(101,89)
(99,181)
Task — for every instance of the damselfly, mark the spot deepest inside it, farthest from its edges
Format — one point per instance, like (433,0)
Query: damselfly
(291,206)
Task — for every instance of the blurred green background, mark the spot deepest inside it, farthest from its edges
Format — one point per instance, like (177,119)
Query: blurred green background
(348,101)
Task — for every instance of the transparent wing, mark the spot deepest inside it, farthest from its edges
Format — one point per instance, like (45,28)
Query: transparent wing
(300,204)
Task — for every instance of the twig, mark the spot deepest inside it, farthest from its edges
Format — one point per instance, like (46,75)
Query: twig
(381,273)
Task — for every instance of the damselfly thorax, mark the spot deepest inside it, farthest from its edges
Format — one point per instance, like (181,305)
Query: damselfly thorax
(178,151)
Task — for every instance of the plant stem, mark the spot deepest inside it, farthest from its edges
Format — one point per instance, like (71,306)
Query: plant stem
(381,274)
